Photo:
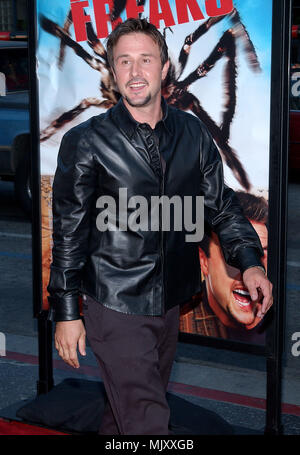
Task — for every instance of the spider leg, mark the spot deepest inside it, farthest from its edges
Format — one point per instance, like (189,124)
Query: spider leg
(187,101)
(109,94)
(67,117)
(107,86)
(230,73)
(66,28)
(54,29)
(219,50)
(118,8)
(226,46)
(241,32)
(94,42)
(120,5)
(108,89)
(165,31)
(228,153)
(141,3)
(193,37)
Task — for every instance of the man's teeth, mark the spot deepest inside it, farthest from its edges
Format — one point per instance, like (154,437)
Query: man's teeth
(137,85)
(242,292)
(245,299)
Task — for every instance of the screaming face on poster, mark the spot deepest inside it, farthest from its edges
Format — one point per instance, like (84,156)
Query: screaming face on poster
(219,71)
(224,308)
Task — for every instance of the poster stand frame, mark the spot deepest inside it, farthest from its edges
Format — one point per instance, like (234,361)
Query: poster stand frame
(45,381)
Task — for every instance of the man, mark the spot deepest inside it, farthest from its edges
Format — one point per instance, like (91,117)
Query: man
(133,281)
(224,308)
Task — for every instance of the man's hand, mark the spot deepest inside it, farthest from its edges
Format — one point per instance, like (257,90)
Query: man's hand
(255,279)
(67,335)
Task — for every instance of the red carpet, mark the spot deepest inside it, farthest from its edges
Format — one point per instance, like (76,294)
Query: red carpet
(12,427)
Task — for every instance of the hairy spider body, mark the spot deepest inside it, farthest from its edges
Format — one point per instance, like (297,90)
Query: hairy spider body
(175,90)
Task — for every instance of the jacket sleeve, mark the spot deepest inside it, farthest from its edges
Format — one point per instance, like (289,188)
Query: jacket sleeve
(239,241)
(73,190)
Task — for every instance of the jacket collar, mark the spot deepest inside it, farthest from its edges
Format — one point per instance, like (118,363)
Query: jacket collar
(128,124)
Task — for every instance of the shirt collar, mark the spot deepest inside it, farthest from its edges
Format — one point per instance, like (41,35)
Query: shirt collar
(128,124)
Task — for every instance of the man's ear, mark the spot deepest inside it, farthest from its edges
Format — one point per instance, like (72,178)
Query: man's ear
(165,70)
(203,262)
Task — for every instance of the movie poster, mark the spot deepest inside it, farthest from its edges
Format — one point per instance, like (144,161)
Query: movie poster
(220,52)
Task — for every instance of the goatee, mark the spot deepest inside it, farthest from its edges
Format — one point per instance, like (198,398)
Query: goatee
(138,103)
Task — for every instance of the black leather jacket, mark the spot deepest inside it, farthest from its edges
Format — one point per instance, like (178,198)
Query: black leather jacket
(138,272)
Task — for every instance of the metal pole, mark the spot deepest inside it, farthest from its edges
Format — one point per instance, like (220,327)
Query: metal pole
(45,382)
(278,207)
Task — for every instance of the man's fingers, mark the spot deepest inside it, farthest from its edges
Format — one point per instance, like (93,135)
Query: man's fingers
(68,354)
(57,345)
(61,353)
(266,289)
(253,292)
(259,287)
(81,345)
(73,359)
(266,303)
(57,341)
(67,335)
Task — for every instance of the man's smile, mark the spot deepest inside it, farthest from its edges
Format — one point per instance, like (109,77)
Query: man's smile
(243,299)
(137,86)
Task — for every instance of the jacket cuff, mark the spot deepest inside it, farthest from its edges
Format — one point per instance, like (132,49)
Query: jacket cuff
(63,309)
(248,257)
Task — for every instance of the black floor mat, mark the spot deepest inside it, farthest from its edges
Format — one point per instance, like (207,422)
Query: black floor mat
(77,405)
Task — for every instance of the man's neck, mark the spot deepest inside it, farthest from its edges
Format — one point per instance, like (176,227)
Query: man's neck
(151,114)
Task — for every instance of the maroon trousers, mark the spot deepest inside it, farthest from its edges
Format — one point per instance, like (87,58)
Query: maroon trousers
(135,354)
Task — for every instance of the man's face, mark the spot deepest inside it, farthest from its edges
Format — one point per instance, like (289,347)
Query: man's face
(138,71)
(227,295)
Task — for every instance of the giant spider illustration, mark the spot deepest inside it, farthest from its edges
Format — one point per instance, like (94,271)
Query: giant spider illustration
(175,91)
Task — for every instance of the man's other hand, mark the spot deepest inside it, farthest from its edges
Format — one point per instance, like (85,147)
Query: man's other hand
(67,335)
(255,280)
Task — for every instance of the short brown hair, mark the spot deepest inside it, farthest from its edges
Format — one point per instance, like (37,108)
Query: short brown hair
(133,25)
